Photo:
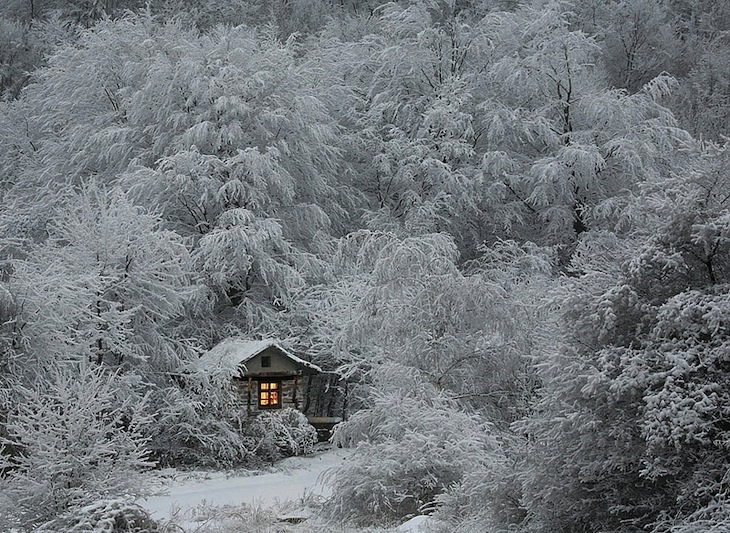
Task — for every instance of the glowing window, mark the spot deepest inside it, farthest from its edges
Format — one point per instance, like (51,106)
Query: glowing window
(269,394)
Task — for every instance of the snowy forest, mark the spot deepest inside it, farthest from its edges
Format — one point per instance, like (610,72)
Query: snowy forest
(504,224)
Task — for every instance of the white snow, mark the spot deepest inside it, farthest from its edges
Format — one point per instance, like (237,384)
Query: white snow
(185,495)
(294,479)
(417,524)
(230,353)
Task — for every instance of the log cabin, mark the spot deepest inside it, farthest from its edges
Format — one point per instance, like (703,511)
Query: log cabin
(265,375)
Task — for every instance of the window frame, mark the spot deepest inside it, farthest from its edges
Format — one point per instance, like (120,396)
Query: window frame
(278,388)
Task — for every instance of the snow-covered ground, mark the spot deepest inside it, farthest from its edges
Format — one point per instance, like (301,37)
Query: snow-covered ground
(203,501)
(291,480)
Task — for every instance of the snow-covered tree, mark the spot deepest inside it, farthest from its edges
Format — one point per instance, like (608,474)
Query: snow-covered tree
(74,441)
(684,38)
(637,46)
(702,100)
(410,122)
(496,124)
(405,301)
(103,286)
(561,149)
(631,428)
(431,350)
(228,135)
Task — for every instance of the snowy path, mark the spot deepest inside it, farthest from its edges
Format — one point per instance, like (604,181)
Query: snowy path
(297,477)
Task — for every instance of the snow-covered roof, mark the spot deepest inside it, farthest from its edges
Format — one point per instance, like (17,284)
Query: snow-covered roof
(231,353)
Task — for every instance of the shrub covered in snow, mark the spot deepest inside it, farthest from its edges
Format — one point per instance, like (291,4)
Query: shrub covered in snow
(487,498)
(200,422)
(281,433)
(195,427)
(105,516)
(409,449)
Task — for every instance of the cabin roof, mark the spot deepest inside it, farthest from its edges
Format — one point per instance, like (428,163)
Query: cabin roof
(235,352)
